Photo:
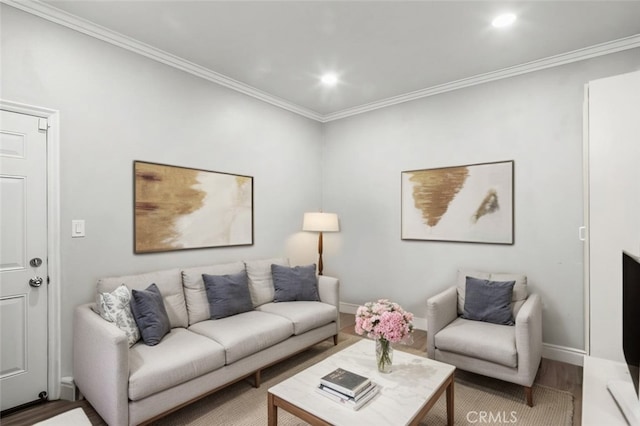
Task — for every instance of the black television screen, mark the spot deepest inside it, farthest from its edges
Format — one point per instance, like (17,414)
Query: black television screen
(631,314)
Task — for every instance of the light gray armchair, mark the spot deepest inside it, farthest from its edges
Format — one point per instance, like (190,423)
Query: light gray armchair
(507,352)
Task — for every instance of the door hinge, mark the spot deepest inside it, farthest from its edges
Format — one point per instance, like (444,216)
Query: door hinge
(48,280)
(43,124)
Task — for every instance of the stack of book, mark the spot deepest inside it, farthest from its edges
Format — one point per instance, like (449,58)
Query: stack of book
(347,388)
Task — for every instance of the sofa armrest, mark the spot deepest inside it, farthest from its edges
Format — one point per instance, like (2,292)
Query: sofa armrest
(441,310)
(329,290)
(101,365)
(529,337)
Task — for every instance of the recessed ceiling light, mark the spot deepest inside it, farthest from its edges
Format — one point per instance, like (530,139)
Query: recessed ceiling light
(504,20)
(329,79)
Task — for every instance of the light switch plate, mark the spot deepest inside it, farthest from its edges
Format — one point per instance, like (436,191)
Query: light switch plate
(77,228)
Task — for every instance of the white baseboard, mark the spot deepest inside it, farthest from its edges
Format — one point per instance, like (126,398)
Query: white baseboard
(563,354)
(348,308)
(68,389)
(549,351)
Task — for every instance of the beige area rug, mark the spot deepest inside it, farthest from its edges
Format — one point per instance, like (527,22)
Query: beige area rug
(478,400)
(75,417)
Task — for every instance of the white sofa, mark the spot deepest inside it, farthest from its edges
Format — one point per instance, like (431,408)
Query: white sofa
(137,384)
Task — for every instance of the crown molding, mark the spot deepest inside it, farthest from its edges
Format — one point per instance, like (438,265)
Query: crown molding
(89,28)
(552,61)
(53,14)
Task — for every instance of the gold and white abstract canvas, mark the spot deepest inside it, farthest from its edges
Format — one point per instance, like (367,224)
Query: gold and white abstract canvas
(179,208)
(472,203)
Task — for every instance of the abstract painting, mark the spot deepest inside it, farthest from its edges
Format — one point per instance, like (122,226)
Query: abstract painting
(472,203)
(179,208)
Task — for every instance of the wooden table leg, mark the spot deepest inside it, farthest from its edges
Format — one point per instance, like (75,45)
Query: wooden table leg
(272,411)
(450,414)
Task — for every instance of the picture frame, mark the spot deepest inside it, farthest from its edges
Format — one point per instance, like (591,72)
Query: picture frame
(179,208)
(469,203)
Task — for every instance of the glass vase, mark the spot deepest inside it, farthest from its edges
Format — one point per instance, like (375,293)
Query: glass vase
(384,355)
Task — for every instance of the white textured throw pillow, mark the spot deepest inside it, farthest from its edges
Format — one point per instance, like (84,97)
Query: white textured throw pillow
(260,280)
(115,307)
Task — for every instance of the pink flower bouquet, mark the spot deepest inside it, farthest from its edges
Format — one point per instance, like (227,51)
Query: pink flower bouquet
(384,320)
(387,323)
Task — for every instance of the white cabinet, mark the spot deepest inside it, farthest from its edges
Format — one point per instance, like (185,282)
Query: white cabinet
(613,203)
(598,406)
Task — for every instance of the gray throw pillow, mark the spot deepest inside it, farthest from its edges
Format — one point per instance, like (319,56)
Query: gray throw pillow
(227,294)
(488,301)
(150,314)
(293,284)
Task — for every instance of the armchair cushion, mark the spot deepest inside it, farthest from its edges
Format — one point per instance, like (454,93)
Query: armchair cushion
(488,301)
(480,340)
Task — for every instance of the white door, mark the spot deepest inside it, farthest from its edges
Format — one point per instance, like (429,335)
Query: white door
(23,259)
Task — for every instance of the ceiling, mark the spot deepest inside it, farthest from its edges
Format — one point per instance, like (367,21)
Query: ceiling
(383,52)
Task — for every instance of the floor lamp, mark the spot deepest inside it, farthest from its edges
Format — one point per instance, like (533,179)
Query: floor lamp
(320,222)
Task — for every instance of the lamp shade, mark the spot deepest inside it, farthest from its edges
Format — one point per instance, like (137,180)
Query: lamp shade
(320,222)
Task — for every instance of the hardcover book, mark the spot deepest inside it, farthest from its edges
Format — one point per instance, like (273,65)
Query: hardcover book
(349,401)
(345,382)
(356,398)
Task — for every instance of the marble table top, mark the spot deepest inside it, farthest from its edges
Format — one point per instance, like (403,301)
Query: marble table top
(403,392)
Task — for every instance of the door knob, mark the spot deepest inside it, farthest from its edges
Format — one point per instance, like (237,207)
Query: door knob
(36,281)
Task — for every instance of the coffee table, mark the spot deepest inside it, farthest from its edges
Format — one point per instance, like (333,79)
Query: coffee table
(406,394)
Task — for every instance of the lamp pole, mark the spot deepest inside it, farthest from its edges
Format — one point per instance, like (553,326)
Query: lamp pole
(320,222)
(320,266)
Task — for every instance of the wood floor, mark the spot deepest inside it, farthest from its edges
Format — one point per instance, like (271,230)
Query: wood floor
(553,374)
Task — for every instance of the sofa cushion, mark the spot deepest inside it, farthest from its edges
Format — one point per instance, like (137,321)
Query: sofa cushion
(179,357)
(150,314)
(115,307)
(227,294)
(194,291)
(260,279)
(520,292)
(305,316)
(169,283)
(297,283)
(481,340)
(488,301)
(246,333)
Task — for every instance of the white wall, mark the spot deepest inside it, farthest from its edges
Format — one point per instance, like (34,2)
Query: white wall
(117,107)
(534,119)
